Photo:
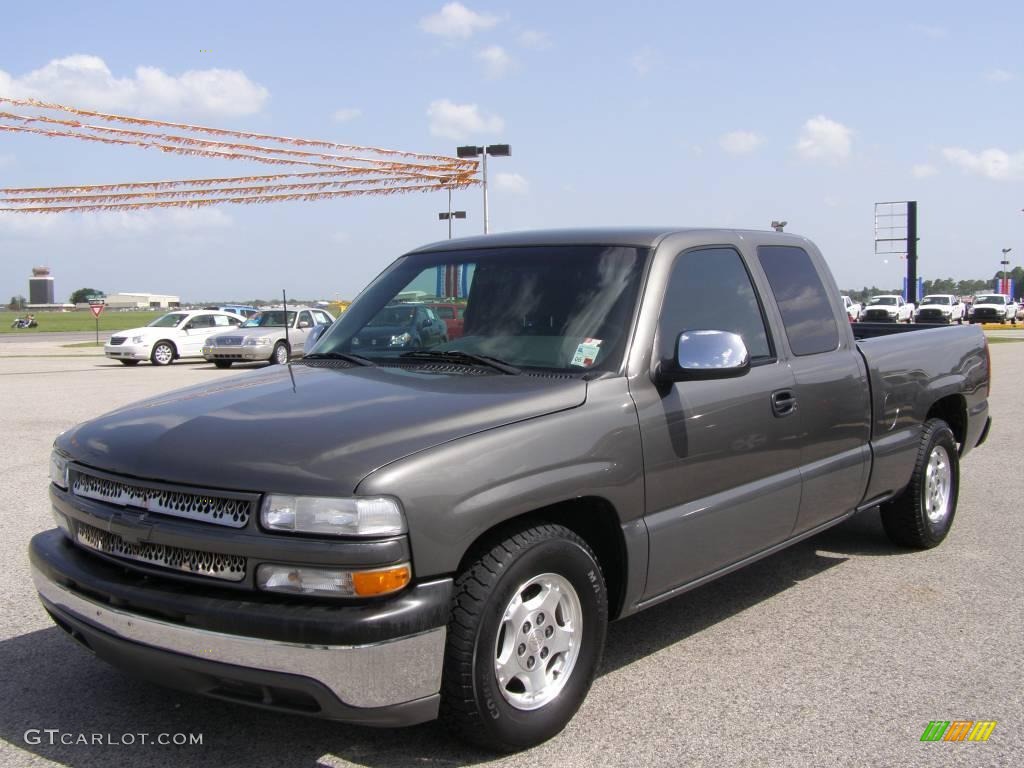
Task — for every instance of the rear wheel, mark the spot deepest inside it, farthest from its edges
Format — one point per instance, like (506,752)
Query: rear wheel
(223,363)
(280,354)
(525,639)
(922,515)
(163,353)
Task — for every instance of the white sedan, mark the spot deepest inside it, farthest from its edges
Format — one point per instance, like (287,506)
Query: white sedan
(168,338)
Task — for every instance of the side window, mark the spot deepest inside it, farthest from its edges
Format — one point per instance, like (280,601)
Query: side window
(234,321)
(305,317)
(802,298)
(221,321)
(322,318)
(710,290)
(202,321)
(445,313)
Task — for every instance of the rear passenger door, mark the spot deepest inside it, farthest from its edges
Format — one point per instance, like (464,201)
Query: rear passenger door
(831,386)
(721,457)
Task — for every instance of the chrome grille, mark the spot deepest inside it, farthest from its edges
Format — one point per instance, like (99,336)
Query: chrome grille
(226,341)
(225,567)
(117,340)
(876,315)
(219,510)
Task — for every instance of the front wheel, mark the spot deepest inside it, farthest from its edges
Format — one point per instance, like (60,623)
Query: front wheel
(525,639)
(922,515)
(163,353)
(280,354)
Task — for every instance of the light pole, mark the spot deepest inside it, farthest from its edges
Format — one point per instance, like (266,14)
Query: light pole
(1005,263)
(494,150)
(449,215)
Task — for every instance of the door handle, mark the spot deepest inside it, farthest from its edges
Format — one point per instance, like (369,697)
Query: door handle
(783,402)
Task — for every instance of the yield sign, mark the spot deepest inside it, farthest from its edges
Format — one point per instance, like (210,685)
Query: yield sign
(96,309)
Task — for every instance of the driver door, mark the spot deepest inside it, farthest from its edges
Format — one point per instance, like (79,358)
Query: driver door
(196,331)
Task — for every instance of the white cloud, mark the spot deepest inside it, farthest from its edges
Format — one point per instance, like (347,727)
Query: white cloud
(534,38)
(455,20)
(994,164)
(86,81)
(496,61)
(643,60)
(923,171)
(824,139)
(460,121)
(999,75)
(740,142)
(512,182)
(346,114)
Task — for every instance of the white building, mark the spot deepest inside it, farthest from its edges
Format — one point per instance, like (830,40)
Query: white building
(142,301)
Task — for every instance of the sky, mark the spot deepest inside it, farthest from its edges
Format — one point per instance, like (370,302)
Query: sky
(660,113)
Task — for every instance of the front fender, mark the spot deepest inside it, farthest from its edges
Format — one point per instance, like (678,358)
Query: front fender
(455,492)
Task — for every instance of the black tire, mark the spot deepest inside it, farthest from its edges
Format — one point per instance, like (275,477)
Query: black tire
(163,353)
(129,362)
(474,705)
(280,355)
(223,363)
(914,518)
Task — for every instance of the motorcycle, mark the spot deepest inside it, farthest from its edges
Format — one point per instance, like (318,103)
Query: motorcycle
(24,322)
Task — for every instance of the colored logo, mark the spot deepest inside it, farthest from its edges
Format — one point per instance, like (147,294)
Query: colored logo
(958,730)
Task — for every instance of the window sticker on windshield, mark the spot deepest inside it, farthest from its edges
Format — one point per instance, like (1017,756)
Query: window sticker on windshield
(586,353)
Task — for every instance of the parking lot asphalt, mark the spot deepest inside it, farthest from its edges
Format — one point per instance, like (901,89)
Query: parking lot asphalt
(837,651)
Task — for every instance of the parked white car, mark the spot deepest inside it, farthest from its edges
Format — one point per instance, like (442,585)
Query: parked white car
(853,309)
(887,309)
(261,338)
(940,308)
(170,337)
(993,308)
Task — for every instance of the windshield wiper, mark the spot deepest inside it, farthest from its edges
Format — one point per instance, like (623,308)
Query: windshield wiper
(458,355)
(349,358)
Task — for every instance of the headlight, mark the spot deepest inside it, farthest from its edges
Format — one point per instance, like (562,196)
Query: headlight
(210,342)
(256,341)
(357,516)
(332,582)
(137,339)
(401,340)
(58,470)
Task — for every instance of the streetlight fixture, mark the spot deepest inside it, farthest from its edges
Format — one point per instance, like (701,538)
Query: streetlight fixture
(778,225)
(449,215)
(494,150)
(1005,263)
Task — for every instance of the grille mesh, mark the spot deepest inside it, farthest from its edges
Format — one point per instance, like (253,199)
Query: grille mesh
(225,567)
(117,340)
(233,513)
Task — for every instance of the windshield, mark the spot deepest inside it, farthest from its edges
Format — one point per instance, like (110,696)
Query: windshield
(566,308)
(944,300)
(990,299)
(888,300)
(267,319)
(172,320)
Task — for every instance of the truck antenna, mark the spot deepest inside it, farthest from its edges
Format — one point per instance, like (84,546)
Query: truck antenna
(287,341)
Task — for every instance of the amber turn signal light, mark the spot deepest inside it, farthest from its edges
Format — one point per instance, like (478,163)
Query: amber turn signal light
(371,583)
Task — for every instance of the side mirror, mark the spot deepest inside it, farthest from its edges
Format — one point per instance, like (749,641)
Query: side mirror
(314,335)
(304,324)
(706,355)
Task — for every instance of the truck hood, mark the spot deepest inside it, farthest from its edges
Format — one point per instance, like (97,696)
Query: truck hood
(306,430)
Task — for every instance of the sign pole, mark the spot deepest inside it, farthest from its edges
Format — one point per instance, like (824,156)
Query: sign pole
(96,307)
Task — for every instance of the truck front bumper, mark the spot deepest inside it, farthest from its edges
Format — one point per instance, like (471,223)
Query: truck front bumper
(378,663)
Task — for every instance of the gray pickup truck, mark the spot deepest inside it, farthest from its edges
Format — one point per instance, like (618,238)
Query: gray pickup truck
(385,536)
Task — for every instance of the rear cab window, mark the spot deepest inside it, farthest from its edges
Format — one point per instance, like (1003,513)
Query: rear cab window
(802,298)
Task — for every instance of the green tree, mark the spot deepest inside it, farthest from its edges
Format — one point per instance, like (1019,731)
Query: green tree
(83,295)
(17,303)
